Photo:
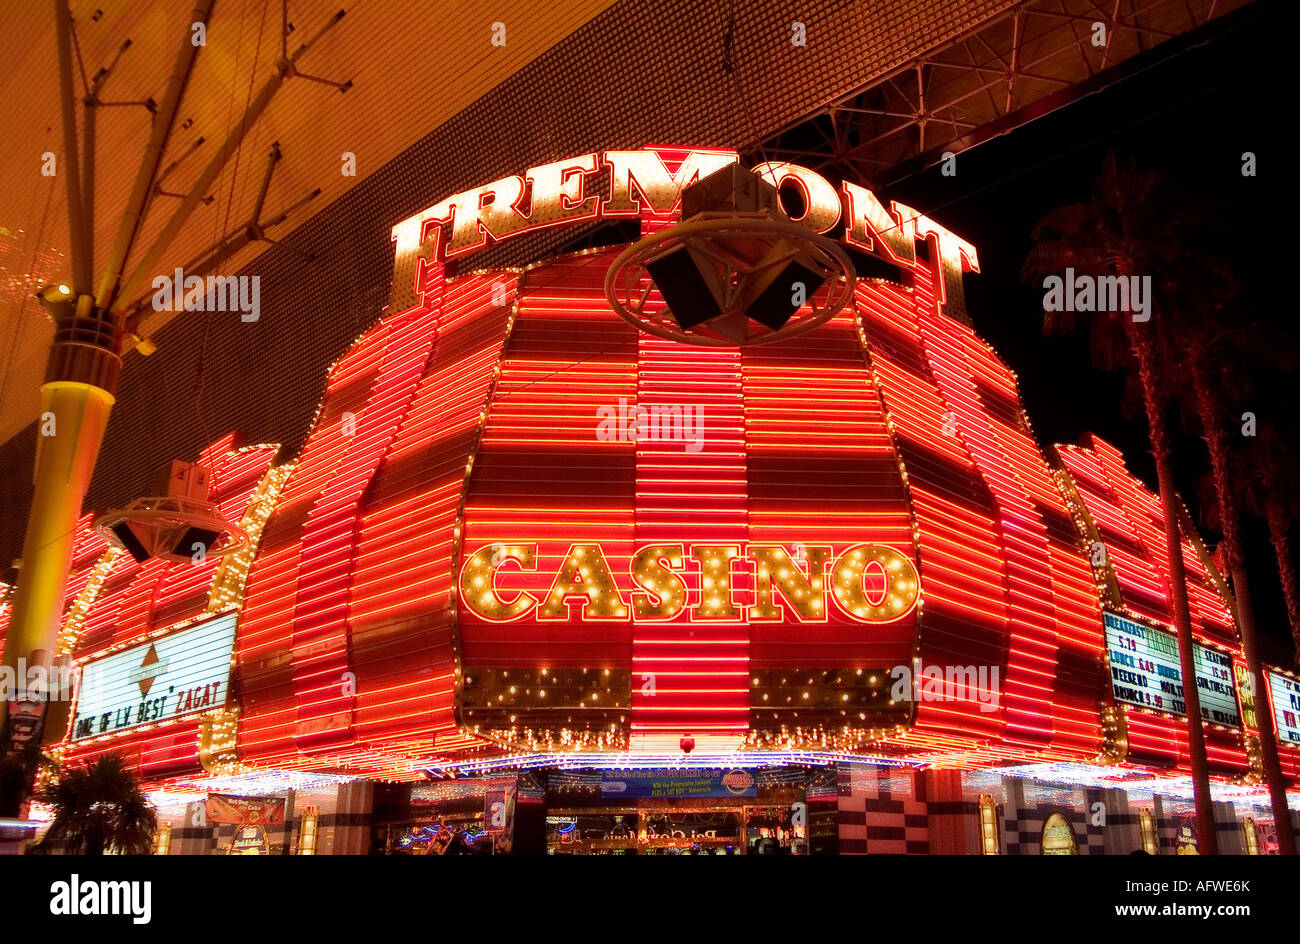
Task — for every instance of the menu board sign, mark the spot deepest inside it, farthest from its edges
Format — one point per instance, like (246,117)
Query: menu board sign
(1145,672)
(1286,707)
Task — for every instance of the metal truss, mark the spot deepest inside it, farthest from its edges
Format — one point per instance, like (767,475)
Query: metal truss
(1017,66)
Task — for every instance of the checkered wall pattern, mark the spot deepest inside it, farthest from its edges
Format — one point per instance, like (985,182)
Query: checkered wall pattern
(882,811)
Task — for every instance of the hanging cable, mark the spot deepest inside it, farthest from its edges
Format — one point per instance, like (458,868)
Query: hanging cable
(729,66)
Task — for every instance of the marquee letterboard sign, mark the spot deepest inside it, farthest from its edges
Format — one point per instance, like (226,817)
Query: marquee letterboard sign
(1286,707)
(184,672)
(1145,672)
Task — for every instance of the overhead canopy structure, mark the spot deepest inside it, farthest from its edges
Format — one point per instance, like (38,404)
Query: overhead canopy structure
(875,88)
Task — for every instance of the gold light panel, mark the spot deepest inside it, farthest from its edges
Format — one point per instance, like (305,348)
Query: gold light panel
(988,825)
(162,839)
(548,709)
(219,740)
(307,836)
(835,709)
(1147,824)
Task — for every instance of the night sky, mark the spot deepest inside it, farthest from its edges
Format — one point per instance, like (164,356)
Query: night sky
(1190,118)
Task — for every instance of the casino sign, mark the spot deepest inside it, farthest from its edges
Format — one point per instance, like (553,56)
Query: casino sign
(872,584)
(523,525)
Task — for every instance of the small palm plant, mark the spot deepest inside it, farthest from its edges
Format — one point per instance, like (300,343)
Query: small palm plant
(99,808)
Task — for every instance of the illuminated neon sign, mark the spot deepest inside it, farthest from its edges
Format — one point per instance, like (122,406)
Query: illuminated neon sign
(181,673)
(633,182)
(1286,707)
(869,583)
(1146,672)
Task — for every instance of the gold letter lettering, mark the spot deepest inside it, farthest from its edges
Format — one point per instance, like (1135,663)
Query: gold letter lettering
(897,579)
(478,581)
(807,594)
(664,595)
(646,172)
(715,581)
(585,574)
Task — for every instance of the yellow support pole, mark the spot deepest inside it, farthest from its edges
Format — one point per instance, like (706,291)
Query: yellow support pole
(76,399)
(73,419)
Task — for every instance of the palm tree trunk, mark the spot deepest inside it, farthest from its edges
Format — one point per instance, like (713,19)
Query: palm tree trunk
(1277,532)
(1217,440)
(94,840)
(1207,840)
(1263,714)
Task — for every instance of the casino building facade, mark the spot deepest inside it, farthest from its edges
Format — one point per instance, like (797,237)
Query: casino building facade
(540,581)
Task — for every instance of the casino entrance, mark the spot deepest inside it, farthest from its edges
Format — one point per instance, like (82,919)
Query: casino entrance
(690,811)
(705,810)
(677,827)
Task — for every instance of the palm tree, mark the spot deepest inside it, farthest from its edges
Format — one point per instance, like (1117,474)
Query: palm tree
(99,808)
(1281,510)
(1273,496)
(1210,335)
(1135,225)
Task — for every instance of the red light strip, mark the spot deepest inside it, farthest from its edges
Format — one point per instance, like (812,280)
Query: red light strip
(965,618)
(137,600)
(1130,521)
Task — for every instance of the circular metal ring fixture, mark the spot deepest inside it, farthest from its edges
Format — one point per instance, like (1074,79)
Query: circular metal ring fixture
(170,527)
(730,276)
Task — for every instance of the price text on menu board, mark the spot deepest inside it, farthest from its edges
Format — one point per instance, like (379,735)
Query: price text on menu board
(1286,706)
(1145,672)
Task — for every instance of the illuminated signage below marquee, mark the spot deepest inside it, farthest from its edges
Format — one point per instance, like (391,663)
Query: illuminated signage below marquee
(182,673)
(869,583)
(1145,672)
(676,783)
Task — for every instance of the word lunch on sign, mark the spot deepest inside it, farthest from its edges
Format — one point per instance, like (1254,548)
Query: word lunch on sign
(1146,673)
(869,583)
